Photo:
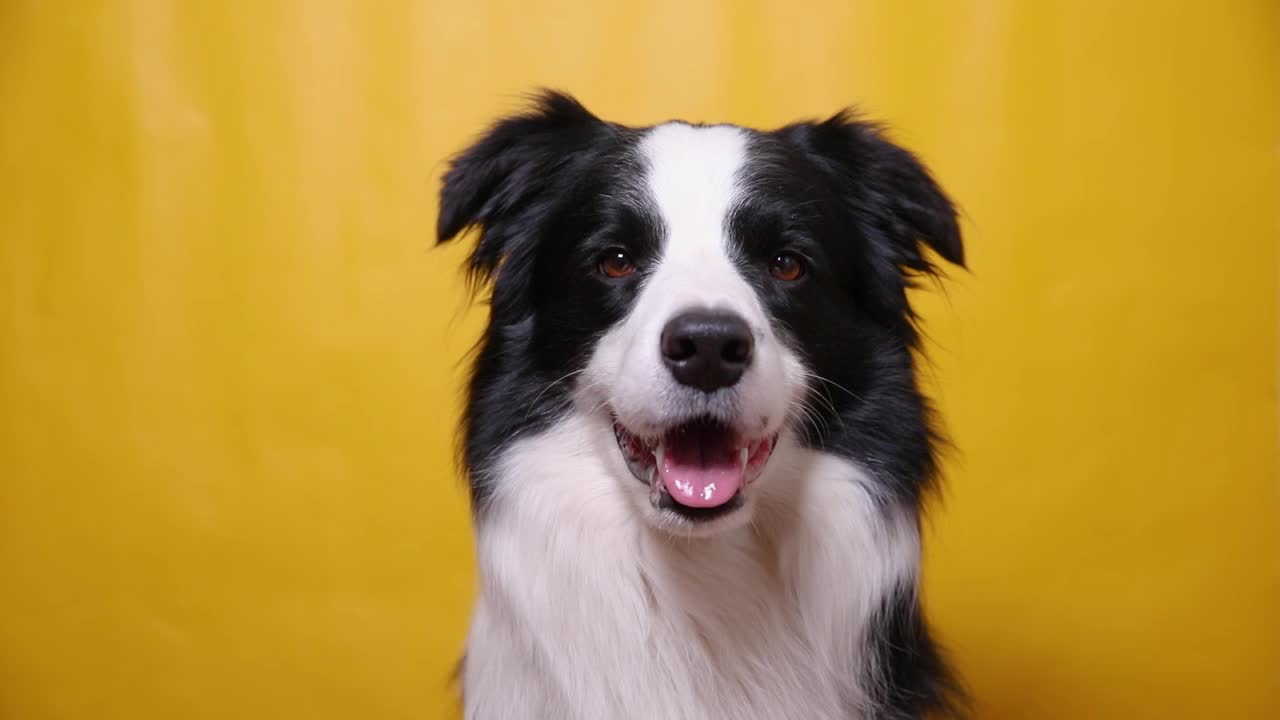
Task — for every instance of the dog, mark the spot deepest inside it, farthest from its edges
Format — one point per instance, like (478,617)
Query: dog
(696,448)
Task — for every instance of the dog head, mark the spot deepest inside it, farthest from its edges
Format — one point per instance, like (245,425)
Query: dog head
(707,294)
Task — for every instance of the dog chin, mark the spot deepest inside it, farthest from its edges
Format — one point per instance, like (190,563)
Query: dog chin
(694,477)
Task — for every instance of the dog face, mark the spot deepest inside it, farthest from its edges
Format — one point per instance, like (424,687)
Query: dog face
(705,295)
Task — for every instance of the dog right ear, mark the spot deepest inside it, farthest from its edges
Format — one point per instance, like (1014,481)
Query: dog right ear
(514,177)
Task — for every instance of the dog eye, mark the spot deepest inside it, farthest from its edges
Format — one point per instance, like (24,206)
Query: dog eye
(616,263)
(787,266)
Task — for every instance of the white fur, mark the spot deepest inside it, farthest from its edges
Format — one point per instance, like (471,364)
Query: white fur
(588,612)
(693,180)
(591,610)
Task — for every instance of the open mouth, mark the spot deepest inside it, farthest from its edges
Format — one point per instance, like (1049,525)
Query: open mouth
(698,470)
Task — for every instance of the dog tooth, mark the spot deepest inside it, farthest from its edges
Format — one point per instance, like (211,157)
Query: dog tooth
(743,456)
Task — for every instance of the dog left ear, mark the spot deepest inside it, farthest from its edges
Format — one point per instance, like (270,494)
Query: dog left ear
(886,184)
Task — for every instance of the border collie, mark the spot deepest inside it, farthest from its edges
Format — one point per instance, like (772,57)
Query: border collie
(696,447)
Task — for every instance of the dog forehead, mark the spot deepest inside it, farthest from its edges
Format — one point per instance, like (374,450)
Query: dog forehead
(693,177)
(694,180)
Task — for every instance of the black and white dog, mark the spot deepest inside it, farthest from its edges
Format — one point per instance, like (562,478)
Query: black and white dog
(696,446)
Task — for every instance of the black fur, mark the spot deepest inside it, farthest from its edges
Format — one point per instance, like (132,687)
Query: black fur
(543,188)
(913,679)
(552,188)
(875,205)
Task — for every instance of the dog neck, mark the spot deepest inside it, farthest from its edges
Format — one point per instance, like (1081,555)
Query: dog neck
(596,614)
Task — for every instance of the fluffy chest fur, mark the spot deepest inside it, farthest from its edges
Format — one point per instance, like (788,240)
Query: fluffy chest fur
(587,613)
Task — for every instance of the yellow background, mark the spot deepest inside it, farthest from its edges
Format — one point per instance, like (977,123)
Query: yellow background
(229,358)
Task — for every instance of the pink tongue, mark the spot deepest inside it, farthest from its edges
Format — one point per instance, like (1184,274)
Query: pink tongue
(700,471)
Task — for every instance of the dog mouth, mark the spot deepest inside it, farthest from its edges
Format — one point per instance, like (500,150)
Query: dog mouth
(698,470)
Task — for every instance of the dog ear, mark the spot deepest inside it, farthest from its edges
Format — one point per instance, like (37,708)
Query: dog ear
(885,184)
(514,176)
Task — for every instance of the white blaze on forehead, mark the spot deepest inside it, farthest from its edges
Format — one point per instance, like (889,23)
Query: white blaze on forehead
(693,181)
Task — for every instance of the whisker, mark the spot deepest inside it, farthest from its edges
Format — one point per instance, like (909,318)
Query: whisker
(827,381)
(533,403)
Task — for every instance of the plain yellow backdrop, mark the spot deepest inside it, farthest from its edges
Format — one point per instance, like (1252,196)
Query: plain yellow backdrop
(229,356)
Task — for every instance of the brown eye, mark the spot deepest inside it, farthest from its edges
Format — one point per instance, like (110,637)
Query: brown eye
(616,263)
(786,266)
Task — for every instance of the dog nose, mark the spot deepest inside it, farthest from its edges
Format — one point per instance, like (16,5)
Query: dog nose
(706,349)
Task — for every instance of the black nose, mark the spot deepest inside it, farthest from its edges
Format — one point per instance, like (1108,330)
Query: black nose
(707,350)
